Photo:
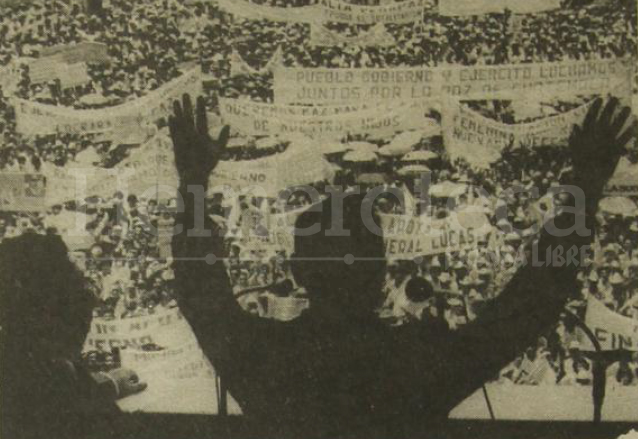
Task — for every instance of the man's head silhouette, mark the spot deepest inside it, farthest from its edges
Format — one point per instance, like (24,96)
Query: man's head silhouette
(342,262)
(45,309)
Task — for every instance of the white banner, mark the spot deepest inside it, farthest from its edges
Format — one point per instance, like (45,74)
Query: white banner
(270,119)
(69,183)
(39,119)
(377,36)
(624,182)
(407,237)
(252,11)
(67,62)
(167,328)
(612,330)
(320,86)
(149,167)
(22,192)
(86,51)
(294,167)
(10,77)
(481,7)
(184,362)
(279,233)
(150,171)
(480,140)
(340,11)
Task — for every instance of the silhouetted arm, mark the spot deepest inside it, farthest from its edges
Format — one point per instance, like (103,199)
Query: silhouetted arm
(204,292)
(532,302)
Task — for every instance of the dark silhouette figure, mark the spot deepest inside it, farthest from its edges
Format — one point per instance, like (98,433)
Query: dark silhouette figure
(337,369)
(45,313)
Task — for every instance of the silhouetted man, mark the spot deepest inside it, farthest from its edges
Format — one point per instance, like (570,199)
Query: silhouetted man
(337,368)
(45,313)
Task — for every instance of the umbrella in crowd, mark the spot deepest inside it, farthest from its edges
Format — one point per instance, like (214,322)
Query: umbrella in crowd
(360,156)
(401,144)
(333,147)
(447,189)
(419,156)
(618,206)
(412,170)
(371,179)
(363,147)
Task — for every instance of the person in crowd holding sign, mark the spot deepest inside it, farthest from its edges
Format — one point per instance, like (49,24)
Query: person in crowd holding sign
(45,313)
(337,368)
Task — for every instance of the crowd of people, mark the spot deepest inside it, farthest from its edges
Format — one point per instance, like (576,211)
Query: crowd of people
(150,43)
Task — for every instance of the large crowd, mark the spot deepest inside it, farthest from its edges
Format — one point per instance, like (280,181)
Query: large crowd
(151,42)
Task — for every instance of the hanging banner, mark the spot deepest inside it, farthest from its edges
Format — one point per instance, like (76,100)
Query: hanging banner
(480,140)
(340,11)
(21,192)
(150,172)
(88,51)
(612,330)
(624,182)
(240,67)
(321,86)
(275,173)
(71,183)
(532,6)
(39,119)
(67,62)
(277,234)
(407,237)
(72,76)
(167,328)
(470,7)
(148,168)
(252,11)
(251,119)
(184,362)
(481,7)
(377,36)
(10,77)
(15,2)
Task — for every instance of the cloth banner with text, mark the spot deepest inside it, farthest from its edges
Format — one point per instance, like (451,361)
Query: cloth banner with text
(184,362)
(407,236)
(479,140)
(39,119)
(148,172)
(69,183)
(270,119)
(321,86)
(167,328)
(22,192)
(612,330)
(340,11)
(252,11)
(273,174)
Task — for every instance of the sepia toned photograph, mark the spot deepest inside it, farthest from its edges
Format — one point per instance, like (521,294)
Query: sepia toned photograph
(318,219)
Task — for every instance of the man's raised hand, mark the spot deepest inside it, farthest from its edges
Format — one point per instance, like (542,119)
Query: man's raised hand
(597,146)
(196,153)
